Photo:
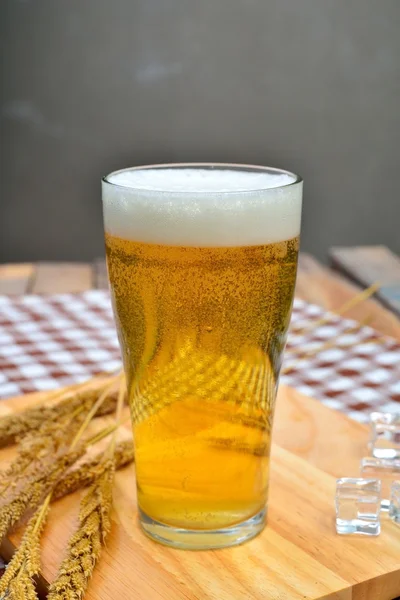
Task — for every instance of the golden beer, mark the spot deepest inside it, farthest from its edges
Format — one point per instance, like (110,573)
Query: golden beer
(202,330)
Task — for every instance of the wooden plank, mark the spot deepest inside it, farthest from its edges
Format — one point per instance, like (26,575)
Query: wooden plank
(60,278)
(308,429)
(298,556)
(368,264)
(320,285)
(100,274)
(15,278)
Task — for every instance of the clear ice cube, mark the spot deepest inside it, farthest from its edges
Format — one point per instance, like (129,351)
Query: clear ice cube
(385,435)
(394,509)
(384,469)
(358,505)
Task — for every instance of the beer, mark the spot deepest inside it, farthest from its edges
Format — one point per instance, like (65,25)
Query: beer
(202,310)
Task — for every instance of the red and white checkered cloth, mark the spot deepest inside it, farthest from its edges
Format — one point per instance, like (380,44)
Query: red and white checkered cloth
(53,341)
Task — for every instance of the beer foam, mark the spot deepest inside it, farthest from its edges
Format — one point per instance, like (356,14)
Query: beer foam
(202,207)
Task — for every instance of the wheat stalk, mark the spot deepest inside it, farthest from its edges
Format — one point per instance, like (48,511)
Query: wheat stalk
(87,473)
(304,355)
(25,564)
(345,307)
(35,489)
(94,409)
(84,547)
(36,449)
(17,582)
(21,588)
(12,427)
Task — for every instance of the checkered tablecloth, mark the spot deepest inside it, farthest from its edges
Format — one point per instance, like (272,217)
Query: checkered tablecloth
(53,341)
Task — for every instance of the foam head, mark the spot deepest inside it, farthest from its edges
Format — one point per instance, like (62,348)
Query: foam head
(200,206)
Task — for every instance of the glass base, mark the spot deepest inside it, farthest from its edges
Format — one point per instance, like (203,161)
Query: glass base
(191,539)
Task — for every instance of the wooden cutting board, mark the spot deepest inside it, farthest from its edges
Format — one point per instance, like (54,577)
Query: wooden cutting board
(297,557)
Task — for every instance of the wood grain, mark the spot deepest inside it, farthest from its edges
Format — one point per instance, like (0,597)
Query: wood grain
(15,279)
(60,278)
(367,264)
(100,274)
(319,285)
(298,556)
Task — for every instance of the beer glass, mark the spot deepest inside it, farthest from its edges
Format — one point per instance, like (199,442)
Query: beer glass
(202,263)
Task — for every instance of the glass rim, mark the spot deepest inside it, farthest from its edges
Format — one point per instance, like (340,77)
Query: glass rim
(203,165)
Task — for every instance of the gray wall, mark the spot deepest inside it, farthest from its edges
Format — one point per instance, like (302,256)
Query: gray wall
(89,86)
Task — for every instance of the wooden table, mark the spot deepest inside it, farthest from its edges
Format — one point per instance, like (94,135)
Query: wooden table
(316,283)
(299,556)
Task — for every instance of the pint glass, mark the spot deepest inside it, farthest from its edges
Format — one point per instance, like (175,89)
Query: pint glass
(202,264)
